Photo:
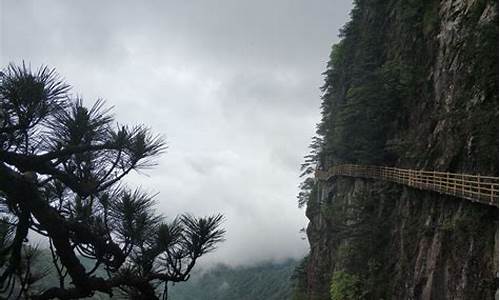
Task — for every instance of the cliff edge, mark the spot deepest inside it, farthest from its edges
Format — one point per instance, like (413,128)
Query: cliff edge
(412,84)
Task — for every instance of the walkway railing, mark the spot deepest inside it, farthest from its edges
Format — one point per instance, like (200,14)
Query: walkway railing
(477,188)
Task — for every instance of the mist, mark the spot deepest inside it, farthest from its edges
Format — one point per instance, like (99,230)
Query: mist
(232,85)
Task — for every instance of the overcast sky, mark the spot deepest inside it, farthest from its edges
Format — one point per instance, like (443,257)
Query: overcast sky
(232,85)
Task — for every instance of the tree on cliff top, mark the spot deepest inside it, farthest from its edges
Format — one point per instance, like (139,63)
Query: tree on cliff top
(61,166)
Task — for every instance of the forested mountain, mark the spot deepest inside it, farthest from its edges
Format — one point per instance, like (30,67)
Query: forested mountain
(412,84)
(266,281)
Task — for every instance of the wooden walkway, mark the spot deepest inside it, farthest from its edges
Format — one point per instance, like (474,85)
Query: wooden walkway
(476,188)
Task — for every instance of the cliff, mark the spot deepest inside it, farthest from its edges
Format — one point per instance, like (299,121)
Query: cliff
(412,84)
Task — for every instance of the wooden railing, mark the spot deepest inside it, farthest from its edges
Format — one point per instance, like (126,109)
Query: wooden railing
(477,188)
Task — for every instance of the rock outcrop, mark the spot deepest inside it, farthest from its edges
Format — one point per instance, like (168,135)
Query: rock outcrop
(412,84)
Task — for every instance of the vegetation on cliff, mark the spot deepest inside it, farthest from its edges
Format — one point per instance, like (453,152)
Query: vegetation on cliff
(404,87)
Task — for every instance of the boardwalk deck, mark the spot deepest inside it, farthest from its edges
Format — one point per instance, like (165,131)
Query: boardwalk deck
(477,188)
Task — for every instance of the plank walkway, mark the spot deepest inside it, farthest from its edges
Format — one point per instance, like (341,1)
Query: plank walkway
(476,188)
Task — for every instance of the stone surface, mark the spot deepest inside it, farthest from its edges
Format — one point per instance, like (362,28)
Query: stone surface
(406,243)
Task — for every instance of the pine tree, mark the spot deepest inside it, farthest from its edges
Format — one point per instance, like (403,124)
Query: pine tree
(61,171)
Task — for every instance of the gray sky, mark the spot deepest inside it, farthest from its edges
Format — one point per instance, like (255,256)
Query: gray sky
(233,86)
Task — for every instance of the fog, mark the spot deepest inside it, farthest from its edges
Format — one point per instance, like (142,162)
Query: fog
(232,85)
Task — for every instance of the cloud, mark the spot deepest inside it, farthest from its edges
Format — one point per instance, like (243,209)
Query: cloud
(233,85)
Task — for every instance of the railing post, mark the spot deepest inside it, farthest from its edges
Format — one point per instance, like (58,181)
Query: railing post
(439,182)
(421,179)
(454,186)
(463,185)
(447,182)
(492,196)
(478,187)
(433,180)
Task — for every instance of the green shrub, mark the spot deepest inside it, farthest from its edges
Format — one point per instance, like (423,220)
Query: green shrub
(345,286)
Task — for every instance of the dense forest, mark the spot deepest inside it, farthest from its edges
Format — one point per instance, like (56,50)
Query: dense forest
(269,281)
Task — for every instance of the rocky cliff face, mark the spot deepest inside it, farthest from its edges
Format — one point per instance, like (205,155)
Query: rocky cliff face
(412,84)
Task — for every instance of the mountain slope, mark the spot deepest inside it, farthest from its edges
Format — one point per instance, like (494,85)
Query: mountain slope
(269,281)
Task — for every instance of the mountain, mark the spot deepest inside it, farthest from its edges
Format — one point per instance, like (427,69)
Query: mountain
(265,281)
(413,84)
